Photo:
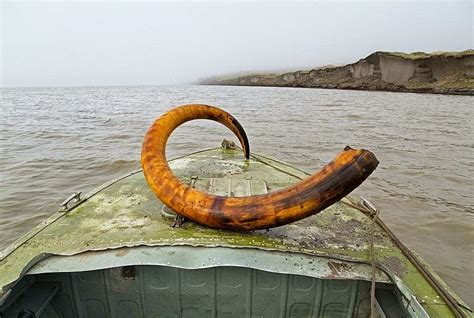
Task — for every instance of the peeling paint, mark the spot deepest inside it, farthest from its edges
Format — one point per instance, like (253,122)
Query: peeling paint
(127,214)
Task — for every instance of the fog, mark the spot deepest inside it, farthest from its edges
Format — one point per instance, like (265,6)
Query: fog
(153,43)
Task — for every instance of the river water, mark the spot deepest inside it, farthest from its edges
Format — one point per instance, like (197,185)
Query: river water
(56,141)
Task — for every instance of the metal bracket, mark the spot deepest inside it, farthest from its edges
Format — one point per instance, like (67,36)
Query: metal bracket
(178,219)
(366,203)
(75,198)
(193,181)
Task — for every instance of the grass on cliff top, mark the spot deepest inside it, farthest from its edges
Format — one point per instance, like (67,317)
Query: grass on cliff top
(422,55)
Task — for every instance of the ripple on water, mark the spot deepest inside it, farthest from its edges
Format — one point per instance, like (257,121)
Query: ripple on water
(56,141)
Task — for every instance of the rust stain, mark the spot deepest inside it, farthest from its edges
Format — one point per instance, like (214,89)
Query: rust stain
(121,252)
(334,270)
(337,269)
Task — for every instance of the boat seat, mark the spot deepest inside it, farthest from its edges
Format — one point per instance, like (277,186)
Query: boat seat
(32,301)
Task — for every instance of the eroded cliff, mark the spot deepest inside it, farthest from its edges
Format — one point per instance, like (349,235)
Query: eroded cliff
(442,72)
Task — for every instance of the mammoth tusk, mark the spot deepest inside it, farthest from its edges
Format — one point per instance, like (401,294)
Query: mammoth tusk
(307,197)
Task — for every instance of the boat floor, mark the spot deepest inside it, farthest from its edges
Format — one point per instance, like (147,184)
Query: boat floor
(125,213)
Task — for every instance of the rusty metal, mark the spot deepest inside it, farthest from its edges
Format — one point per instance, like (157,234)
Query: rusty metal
(310,196)
(128,272)
(373,301)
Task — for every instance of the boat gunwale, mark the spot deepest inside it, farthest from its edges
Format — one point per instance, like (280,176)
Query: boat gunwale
(121,252)
(434,283)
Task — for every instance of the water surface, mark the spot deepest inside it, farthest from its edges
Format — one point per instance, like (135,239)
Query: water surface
(56,141)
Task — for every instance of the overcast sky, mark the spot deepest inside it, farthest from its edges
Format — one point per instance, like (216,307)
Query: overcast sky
(149,43)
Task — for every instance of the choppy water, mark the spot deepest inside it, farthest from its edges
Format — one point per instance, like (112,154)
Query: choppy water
(56,141)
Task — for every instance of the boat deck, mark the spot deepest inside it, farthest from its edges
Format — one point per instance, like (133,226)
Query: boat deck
(125,213)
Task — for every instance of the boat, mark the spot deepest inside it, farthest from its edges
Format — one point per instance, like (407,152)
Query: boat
(118,251)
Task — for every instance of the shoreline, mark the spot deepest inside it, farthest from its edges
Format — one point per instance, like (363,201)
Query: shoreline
(363,89)
(450,73)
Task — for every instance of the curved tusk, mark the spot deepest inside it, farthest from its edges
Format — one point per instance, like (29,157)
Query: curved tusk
(307,197)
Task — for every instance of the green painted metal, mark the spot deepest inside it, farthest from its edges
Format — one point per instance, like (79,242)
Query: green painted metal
(160,291)
(195,257)
(126,213)
(35,299)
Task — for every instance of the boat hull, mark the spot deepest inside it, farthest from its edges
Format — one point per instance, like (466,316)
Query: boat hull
(122,225)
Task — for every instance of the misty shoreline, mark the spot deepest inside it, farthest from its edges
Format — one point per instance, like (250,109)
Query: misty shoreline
(419,72)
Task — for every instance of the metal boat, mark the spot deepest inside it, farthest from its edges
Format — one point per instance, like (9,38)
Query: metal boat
(114,253)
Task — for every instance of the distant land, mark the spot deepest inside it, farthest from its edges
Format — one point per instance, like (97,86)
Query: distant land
(437,72)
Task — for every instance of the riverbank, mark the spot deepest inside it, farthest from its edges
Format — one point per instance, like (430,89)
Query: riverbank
(439,73)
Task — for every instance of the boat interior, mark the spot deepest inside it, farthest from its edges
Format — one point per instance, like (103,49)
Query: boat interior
(227,291)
